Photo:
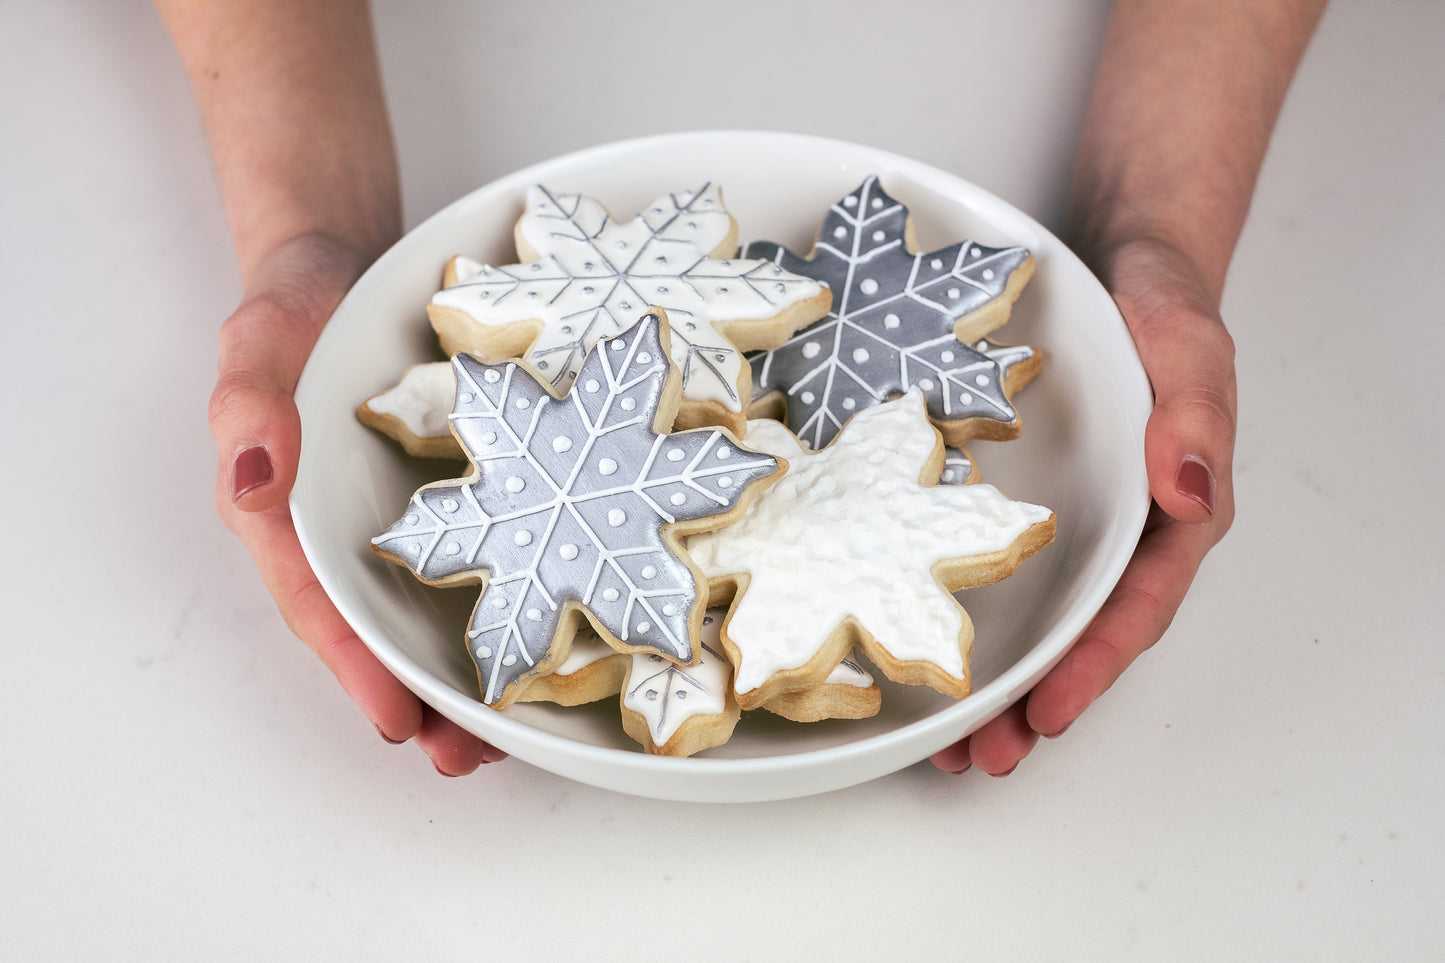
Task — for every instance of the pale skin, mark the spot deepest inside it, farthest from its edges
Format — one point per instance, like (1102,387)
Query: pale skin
(1187,94)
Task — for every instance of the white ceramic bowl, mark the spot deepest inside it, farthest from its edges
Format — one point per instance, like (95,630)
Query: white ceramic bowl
(1081,454)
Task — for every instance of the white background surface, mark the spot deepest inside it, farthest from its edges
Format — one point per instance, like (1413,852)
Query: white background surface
(179,779)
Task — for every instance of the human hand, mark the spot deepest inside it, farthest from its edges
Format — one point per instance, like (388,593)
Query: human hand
(264,345)
(1188,450)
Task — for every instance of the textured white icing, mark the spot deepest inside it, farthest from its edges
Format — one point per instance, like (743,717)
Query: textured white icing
(849,531)
(595,276)
(422,401)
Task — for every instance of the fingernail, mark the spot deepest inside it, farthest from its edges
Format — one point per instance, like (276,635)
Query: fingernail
(250,471)
(382,733)
(1055,735)
(1006,772)
(1196,481)
(449,775)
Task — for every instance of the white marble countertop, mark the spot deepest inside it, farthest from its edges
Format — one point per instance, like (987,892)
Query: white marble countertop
(182,780)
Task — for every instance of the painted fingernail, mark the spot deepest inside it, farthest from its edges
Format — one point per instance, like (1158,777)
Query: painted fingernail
(395,742)
(1196,481)
(251,470)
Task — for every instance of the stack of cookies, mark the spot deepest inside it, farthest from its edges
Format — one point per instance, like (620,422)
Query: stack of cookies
(710,479)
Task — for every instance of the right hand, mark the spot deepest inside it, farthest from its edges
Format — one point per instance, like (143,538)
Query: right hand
(264,345)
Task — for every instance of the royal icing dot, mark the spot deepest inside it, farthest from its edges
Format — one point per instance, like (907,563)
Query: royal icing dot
(974,252)
(946,357)
(488,437)
(644,358)
(725,482)
(811,349)
(411,519)
(616,517)
(849,404)
(484,652)
(981,381)
(628,404)
(449,504)
(466,397)
(808,397)
(568,552)
(453,548)
(954,293)
(988,274)
(891,321)
(868,286)
(936,264)
(649,571)
(610,595)
(965,398)
(523,538)
(491,377)
(651,695)
(877,203)
(644,626)
(926,384)
(678,498)
(606,466)
(840,232)
(724,452)
(561,443)
(499,602)
(523,403)
(860,355)
(850,201)
(670,610)
(534,615)
(617,344)
(514,484)
(509,660)
(676,454)
(590,385)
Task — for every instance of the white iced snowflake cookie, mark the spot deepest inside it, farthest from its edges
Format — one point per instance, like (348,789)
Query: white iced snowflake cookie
(575,508)
(415,411)
(584,276)
(859,546)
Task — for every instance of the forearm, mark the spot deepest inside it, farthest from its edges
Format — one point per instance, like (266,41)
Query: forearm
(1186,97)
(292,101)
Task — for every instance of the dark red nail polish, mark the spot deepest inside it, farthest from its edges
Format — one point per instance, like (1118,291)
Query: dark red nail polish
(251,470)
(1196,481)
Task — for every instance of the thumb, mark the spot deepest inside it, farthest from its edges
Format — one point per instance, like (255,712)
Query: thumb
(1189,358)
(263,348)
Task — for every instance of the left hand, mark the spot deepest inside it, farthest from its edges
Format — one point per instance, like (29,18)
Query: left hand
(1188,450)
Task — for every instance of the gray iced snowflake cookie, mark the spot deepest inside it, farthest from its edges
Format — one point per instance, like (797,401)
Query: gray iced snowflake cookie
(575,509)
(585,276)
(899,319)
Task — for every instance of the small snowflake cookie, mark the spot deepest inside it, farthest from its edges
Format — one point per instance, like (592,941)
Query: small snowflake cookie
(585,276)
(858,546)
(575,508)
(898,319)
(678,710)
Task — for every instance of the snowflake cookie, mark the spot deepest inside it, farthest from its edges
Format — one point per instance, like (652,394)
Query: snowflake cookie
(585,276)
(899,319)
(574,509)
(858,546)
(677,710)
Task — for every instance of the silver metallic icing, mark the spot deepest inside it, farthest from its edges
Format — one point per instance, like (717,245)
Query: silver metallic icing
(570,504)
(891,323)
